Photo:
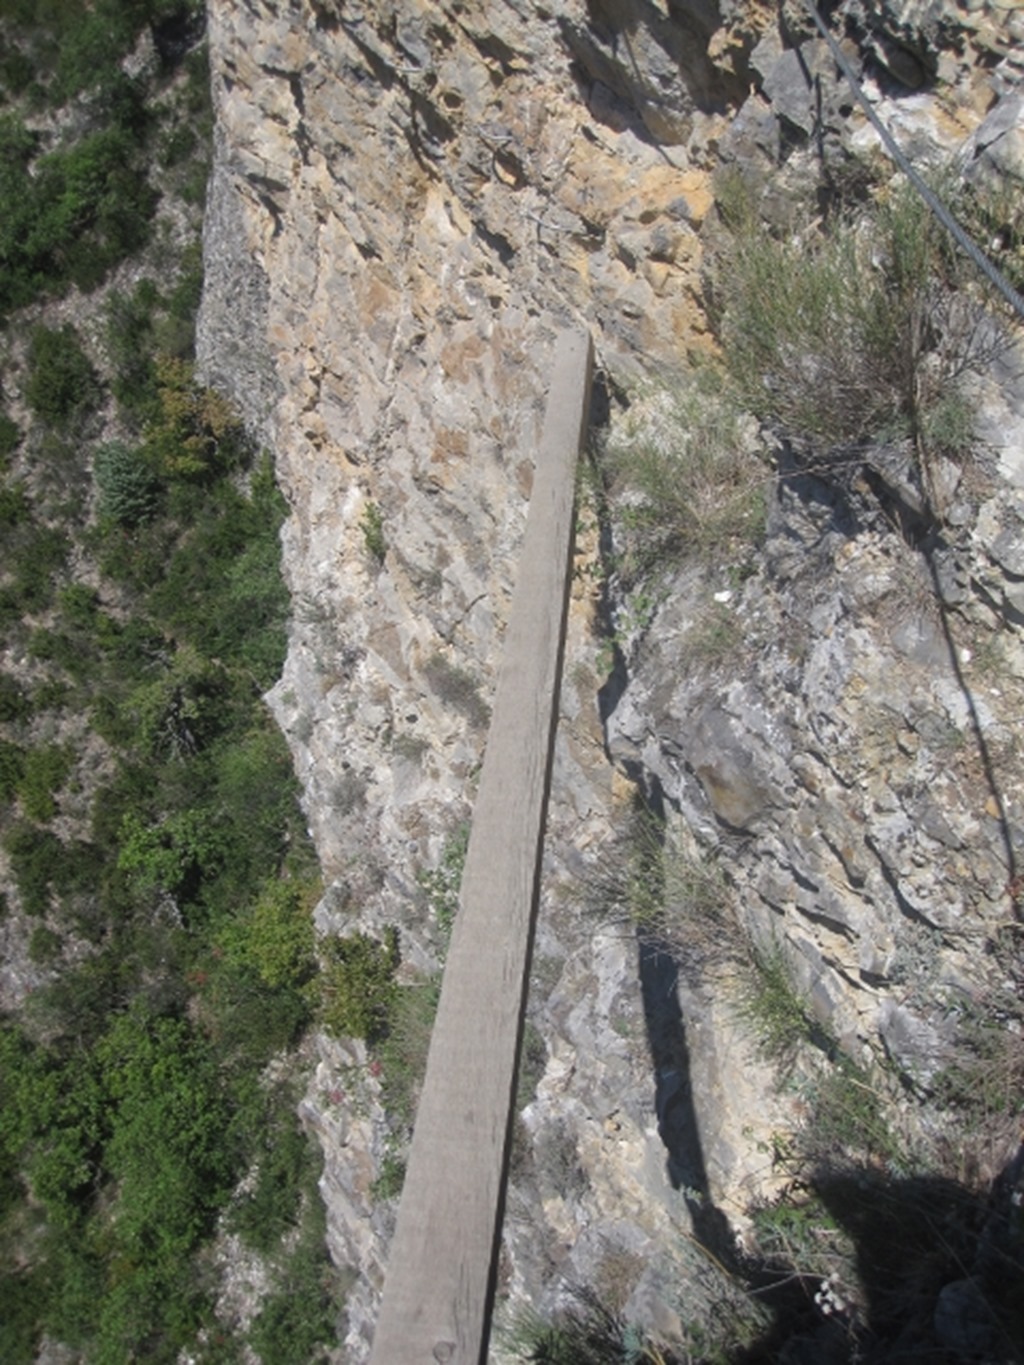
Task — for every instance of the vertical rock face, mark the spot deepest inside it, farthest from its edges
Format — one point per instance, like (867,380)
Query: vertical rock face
(407,197)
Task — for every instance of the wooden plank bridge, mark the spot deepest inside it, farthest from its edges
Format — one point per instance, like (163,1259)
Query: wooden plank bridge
(440,1279)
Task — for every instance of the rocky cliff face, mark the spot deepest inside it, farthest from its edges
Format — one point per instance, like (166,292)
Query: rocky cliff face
(406,198)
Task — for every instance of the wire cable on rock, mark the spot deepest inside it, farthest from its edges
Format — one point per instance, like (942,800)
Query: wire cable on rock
(938,208)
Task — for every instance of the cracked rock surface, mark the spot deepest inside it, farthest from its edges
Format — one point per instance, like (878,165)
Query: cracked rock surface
(407,199)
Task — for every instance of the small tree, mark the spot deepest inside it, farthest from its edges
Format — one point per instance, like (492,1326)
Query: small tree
(129,490)
(62,386)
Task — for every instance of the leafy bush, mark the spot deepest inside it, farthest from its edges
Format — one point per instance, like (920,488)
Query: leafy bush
(81,211)
(44,944)
(144,325)
(171,856)
(14,704)
(12,766)
(10,438)
(223,589)
(275,939)
(123,1134)
(62,385)
(33,557)
(297,1323)
(15,508)
(286,1170)
(371,523)
(196,435)
(35,856)
(168,1114)
(357,984)
(79,44)
(44,771)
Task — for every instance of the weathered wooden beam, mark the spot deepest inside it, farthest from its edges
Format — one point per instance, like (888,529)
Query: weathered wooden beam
(440,1278)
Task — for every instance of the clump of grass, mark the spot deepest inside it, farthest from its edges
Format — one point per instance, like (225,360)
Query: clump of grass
(411,748)
(685,477)
(716,637)
(402,1053)
(666,889)
(457,688)
(441,884)
(984,1078)
(587,1333)
(770,1008)
(860,330)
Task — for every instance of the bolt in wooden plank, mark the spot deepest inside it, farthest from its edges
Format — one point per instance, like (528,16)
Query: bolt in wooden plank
(440,1277)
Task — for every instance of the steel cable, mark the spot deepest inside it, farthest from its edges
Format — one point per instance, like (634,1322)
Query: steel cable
(938,208)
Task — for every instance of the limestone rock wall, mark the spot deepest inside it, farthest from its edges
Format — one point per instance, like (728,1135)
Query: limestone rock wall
(406,197)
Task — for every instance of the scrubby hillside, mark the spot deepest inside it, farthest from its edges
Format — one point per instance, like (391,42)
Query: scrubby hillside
(156,882)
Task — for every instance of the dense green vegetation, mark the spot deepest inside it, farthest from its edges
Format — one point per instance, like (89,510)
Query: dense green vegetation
(163,879)
(87,203)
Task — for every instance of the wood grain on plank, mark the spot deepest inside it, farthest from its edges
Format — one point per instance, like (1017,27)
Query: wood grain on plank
(439,1284)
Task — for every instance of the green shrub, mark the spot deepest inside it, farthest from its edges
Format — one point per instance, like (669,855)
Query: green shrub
(15,508)
(171,856)
(131,325)
(35,556)
(275,939)
(181,712)
(169,1115)
(12,767)
(196,436)
(35,856)
(296,1324)
(371,523)
(247,1021)
(128,488)
(286,1170)
(14,703)
(10,438)
(62,385)
(22,1298)
(81,211)
(357,984)
(43,945)
(390,1179)
(44,772)
(222,589)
